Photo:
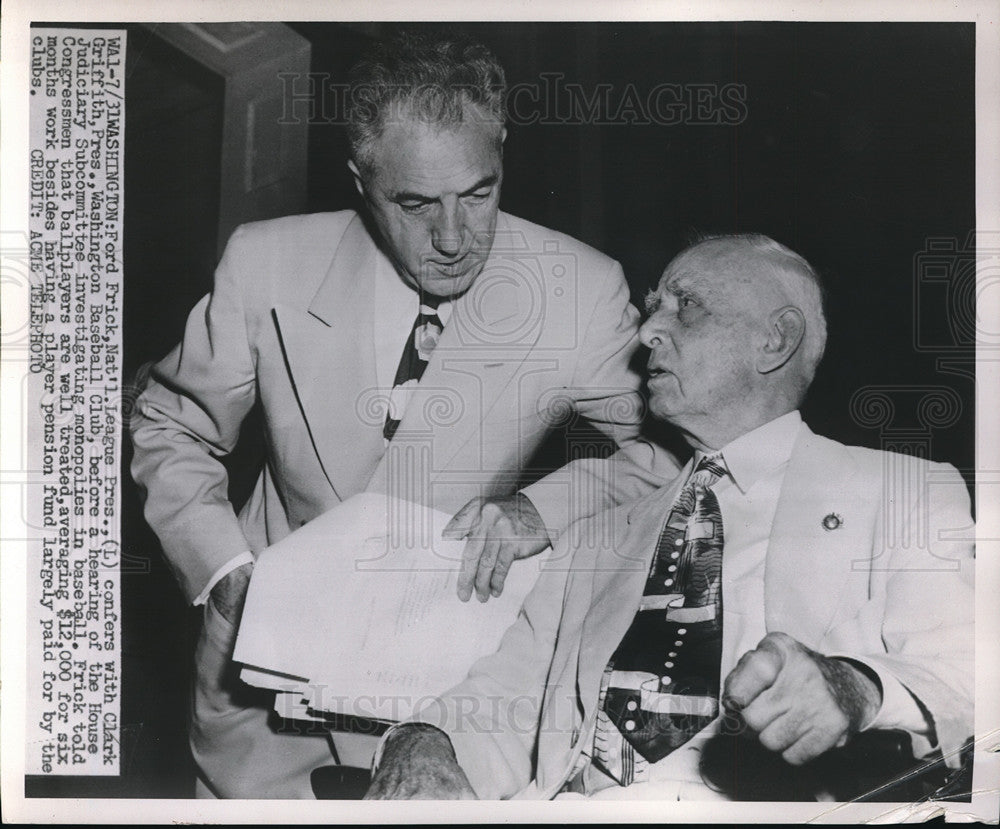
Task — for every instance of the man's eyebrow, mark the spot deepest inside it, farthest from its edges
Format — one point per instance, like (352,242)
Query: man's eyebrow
(485,181)
(652,301)
(407,195)
(692,283)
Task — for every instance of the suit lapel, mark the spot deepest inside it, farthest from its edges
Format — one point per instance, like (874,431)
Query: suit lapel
(822,485)
(617,585)
(329,351)
(603,593)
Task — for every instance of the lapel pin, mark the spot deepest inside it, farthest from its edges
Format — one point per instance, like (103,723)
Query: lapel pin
(832,522)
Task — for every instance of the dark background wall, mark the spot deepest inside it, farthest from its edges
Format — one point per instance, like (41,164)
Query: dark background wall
(855,148)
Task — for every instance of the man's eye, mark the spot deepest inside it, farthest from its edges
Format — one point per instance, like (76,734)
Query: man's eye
(479,196)
(685,301)
(412,207)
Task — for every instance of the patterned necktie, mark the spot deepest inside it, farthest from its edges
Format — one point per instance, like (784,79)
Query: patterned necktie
(662,684)
(424,336)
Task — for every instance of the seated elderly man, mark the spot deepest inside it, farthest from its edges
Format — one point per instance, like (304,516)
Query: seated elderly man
(799,588)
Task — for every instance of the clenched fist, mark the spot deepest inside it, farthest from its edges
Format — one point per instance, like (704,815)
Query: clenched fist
(799,702)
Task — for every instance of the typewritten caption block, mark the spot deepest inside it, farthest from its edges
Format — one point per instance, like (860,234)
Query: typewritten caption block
(74,385)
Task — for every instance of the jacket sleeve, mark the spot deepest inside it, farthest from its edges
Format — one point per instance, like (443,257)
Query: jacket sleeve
(607,392)
(493,716)
(187,418)
(929,615)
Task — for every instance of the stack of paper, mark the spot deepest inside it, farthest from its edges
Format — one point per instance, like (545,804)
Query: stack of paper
(357,612)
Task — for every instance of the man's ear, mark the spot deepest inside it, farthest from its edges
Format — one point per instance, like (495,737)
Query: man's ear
(503,137)
(785,329)
(358,183)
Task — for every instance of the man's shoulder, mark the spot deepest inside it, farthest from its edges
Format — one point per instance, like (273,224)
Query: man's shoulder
(519,234)
(864,460)
(323,229)
(285,260)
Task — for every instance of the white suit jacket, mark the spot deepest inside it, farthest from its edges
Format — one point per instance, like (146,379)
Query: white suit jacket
(891,586)
(545,334)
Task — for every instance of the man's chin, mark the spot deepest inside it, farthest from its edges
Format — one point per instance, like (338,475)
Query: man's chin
(662,408)
(448,285)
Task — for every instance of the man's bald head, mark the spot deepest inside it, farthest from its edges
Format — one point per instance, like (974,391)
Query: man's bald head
(781,275)
(736,331)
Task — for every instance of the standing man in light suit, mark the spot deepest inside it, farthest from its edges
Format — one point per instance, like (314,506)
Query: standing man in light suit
(313,317)
(802,588)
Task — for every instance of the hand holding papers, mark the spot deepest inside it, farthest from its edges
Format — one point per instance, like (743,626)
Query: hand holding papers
(357,611)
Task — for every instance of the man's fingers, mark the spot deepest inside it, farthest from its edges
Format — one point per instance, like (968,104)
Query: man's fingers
(809,746)
(487,560)
(469,566)
(782,732)
(500,570)
(464,520)
(780,644)
(498,531)
(766,709)
(796,738)
(755,672)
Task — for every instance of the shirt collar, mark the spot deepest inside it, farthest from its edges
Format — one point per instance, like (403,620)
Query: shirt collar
(751,456)
(390,287)
(391,292)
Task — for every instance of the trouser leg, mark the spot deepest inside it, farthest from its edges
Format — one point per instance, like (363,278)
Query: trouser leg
(238,750)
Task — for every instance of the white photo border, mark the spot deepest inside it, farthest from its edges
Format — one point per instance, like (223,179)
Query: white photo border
(17,16)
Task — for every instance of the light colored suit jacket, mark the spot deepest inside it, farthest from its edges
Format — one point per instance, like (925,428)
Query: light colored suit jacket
(891,586)
(545,334)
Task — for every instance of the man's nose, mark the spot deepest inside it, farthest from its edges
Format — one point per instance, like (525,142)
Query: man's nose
(651,332)
(446,235)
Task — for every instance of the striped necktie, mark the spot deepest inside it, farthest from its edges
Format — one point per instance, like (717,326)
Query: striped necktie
(661,686)
(427,327)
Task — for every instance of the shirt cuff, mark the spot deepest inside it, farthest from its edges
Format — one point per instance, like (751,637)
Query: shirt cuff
(221,573)
(900,710)
(549,496)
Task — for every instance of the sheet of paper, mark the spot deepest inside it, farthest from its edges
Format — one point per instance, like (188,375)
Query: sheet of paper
(357,611)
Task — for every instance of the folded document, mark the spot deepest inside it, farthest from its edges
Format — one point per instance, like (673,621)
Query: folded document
(357,612)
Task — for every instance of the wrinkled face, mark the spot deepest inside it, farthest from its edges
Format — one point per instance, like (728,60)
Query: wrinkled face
(433,194)
(705,327)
